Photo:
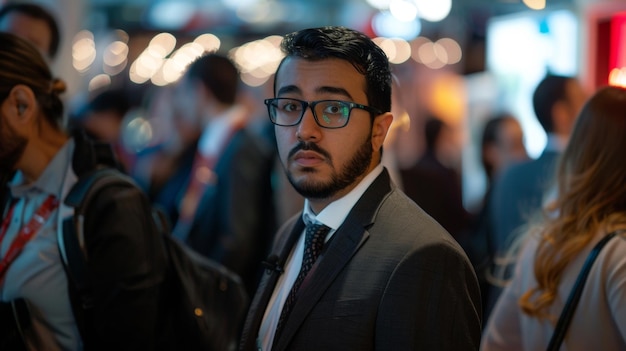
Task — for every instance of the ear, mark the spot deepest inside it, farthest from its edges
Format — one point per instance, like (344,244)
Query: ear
(381,126)
(21,104)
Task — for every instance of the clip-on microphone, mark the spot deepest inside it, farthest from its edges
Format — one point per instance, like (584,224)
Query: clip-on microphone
(272,265)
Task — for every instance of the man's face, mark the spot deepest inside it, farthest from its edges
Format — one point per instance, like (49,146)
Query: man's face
(325,164)
(12,145)
(187,102)
(31,29)
(510,144)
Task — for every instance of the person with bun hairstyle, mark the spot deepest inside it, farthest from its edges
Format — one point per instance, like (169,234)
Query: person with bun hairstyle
(126,259)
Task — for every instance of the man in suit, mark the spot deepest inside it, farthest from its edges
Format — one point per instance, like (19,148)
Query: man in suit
(519,192)
(225,204)
(435,186)
(388,276)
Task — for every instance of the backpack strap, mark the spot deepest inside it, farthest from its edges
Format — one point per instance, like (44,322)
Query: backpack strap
(96,166)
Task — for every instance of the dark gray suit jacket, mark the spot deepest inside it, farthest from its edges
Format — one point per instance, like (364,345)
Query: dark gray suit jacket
(391,278)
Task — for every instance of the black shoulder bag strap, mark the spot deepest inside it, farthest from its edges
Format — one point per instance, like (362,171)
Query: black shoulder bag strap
(574,296)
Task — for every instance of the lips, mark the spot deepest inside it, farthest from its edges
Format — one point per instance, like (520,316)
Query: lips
(308,158)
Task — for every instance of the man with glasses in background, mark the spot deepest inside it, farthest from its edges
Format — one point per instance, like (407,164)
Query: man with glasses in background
(362,267)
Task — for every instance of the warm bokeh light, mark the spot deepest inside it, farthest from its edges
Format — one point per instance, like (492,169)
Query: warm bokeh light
(258,59)
(163,65)
(115,57)
(445,51)
(99,81)
(617,77)
(209,42)
(397,50)
(83,51)
(452,49)
(162,44)
(535,4)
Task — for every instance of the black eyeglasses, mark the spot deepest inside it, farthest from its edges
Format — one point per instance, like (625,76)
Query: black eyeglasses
(331,114)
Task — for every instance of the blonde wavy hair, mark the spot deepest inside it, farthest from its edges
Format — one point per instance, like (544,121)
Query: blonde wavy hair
(591,195)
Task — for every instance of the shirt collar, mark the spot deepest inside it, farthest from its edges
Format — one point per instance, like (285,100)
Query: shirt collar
(336,212)
(218,129)
(50,180)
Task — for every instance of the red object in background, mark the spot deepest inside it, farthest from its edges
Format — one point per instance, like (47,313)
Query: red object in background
(607,41)
(617,53)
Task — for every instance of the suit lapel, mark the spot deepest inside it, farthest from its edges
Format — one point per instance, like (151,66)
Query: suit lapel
(282,248)
(348,239)
(326,268)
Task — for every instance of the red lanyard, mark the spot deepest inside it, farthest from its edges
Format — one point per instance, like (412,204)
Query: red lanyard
(26,233)
(201,175)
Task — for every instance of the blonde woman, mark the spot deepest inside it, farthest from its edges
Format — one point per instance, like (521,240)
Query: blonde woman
(590,203)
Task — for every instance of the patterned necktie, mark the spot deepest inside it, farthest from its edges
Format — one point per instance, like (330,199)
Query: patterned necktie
(313,244)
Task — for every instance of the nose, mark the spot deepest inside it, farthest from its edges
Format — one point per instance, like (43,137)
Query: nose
(308,128)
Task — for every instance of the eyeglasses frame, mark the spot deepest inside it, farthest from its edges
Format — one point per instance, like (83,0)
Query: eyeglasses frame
(311,104)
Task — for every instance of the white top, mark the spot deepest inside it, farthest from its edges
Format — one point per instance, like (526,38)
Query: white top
(332,216)
(599,322)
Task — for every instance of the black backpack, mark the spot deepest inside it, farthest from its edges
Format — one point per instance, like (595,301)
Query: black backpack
(206,302)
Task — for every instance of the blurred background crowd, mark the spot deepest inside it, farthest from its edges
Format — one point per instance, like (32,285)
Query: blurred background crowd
(464,102)
(460,61)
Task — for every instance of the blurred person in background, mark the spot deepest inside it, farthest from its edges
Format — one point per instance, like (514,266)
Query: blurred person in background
(399,128)
(34,23)
(433,185)
(102,119)
(127,259)
(361,266)
(226,207)
(589,203)
(518,193)
(502,144)
(163,164)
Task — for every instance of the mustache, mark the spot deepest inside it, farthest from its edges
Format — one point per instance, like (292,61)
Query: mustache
(309,146)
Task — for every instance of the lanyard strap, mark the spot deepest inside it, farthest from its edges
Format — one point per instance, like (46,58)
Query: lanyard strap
(26,232)
(201,175)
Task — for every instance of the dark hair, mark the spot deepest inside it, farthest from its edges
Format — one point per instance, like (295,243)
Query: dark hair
(22,63)
(349,45)
(40,13)
(115,100)
(490,136)
(218,74)
(550,90)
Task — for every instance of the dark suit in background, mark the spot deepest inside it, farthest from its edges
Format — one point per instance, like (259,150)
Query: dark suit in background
(236,219)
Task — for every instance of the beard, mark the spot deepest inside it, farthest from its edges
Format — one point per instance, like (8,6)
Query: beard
(339,179)
(12,147)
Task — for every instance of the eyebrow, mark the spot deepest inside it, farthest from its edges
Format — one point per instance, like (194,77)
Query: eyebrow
(324,89)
